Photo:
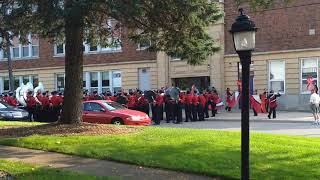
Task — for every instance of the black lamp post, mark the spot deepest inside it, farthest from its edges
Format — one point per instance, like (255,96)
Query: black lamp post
(243,32)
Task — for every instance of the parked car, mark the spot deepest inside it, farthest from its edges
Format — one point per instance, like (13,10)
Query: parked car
(109,112)
(8,112)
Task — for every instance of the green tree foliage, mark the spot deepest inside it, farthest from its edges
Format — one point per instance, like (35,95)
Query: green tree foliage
(176,27)
(173,26)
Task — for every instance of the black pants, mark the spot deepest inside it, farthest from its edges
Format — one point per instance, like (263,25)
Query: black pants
(273,112)
(201,112)
(188,110)
(213,109)
(178,113)
(56,113)
(161,112)
(167,110)
(206,110)
(157,114)
(31,111)
(194,112)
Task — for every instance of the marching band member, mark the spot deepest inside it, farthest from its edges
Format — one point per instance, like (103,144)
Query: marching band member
(273,104)
(31,106)
(214,101)
(201,106)
(188,107)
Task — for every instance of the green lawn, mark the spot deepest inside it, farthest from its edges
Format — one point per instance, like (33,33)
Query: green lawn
(29,172)
(18,123)
(199,151)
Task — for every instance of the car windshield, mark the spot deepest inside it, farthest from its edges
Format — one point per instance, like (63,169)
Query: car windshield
(111,106)
(4,105)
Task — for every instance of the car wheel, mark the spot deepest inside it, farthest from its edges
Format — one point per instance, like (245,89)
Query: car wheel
(117,121)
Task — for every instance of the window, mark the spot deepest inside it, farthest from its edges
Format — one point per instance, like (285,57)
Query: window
(93,81)
(93,48)
(105,81)
(6,84)
(59,49)
(309,67)
(84,80)
(35,51)
(277,76)
(16,52)
(175,57)
(92,107)
(35,80)
(16,82)
(60,82)
(25,51)
(25,79)
(144,45)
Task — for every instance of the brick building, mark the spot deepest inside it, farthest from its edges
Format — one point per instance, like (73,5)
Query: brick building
(287,50)
(129,66)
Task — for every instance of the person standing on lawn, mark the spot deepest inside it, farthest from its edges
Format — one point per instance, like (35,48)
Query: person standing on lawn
(314,105)
(31,106)
(188,106)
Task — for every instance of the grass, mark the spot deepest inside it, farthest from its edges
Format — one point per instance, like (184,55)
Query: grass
(18,123)
(214,153)
(24,171)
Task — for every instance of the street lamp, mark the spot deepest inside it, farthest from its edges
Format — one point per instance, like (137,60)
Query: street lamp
(243,32)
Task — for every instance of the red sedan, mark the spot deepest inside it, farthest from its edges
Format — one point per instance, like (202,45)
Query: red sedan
(109,112)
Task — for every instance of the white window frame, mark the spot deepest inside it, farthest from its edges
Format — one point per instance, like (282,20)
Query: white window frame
(301,79)
(269,69)
(21,55)
(32,50)
(143,47)
(56,80)
(55,49)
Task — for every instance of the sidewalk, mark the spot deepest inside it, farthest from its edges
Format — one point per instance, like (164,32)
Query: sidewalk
(282,116)
(93,166)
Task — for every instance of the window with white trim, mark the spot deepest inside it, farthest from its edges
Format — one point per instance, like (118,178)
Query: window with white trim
(59,49)
(6,84)
(94,81)
(309,68)
(60,82)
(144,45)
(277,76)
(105,81)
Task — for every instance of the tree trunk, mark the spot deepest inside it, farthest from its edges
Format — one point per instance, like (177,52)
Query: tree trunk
(72,107)
(11,79)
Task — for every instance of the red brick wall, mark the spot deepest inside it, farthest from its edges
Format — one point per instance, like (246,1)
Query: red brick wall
(280,28)
(46,59)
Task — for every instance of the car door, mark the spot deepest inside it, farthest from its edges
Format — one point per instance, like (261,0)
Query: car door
(86,112)
(97,113)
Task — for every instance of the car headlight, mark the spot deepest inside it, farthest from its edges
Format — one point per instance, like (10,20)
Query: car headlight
(134,118)
(5,114)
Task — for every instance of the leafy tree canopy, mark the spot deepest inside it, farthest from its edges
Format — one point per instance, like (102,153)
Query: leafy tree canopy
(173,26)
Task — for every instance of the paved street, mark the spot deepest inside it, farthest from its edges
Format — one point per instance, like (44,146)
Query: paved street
(291,123)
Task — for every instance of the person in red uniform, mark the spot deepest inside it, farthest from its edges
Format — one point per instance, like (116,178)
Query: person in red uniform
(273,104)
(45,110)
(228,99)
(143,104)
(180,104)
(31,106)
(206,107)
(56,102)
(157,110)
(214,101)
(195,103)
(201,106)
(188,106)
(264,101)
(11,100)
(132,101)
